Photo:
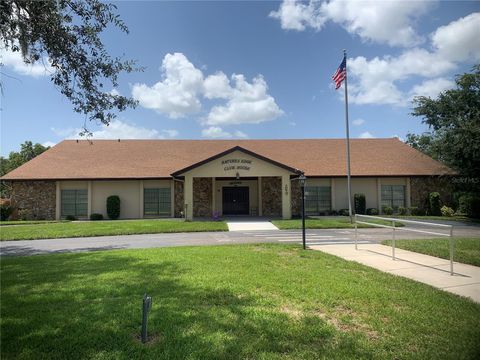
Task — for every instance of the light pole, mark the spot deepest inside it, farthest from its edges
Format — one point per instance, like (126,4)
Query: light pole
(302,179)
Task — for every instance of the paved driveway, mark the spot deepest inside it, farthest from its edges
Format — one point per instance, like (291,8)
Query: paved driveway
(314,237)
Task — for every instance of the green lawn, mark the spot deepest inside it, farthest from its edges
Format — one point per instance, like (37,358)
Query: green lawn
(467,250)
(29,222)
(261,301)
(460,218)
(102,228)
(341,222)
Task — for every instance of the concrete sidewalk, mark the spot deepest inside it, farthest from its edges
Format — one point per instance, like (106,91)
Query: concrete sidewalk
(250,225)
(423,268)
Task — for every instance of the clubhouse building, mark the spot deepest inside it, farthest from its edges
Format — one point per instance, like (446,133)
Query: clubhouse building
(205,178)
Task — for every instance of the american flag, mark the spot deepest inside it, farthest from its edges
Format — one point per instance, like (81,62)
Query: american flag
(340,74)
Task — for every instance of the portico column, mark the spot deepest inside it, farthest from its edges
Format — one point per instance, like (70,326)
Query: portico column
(286,197)
(188,196)
(260,210)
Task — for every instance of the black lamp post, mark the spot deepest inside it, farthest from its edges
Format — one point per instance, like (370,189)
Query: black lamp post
(302,179)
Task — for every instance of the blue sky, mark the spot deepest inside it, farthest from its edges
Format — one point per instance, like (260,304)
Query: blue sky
(259,70)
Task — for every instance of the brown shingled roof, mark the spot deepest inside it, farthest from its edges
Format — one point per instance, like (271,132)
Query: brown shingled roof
(142,159)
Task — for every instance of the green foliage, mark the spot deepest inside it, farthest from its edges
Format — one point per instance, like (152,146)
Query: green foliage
(70,218)
(5,211)
(434,207)
(360,203)
(113,207)
(96,216)
(402,210)
(372,211)
(454,122)
(68,32)
(469,204)
(447,211)
(387,210)
(27,152)
(416,211)
(343,212)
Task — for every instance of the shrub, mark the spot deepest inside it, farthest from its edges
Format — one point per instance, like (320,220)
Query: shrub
(402,210)
(447,211)
(360,203)
(96,216)
(343,212)
(372,211)
(113,207)
(469,204)
(5,211)
(434,204)
(333,212)
(416,211)
(387,210)
(70,218)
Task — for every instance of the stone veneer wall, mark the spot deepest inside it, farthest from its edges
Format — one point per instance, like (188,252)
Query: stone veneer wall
(421,187)
(36,200)
(271,196)
(296,196)
(202,197)
(178,198)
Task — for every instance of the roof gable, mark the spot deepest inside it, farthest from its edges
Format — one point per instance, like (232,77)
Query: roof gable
(232,150)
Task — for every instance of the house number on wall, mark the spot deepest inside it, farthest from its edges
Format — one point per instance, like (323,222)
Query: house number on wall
(236,164)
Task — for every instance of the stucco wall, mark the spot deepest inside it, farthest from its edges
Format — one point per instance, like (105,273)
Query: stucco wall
(35,199)
(129,191)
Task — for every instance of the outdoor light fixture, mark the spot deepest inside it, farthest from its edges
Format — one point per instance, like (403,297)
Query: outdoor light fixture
(238,176)
(303,179)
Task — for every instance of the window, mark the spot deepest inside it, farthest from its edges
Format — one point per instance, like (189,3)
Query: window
(393,196)
(74,203)
(317,199)
(156,202)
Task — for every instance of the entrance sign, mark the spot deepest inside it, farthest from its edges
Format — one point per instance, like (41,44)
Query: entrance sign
(236,164)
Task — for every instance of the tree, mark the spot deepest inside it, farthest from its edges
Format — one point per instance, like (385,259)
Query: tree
(27,152)
(68,33)
(454,122)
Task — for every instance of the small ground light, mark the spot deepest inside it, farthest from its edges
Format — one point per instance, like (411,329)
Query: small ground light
(147,305)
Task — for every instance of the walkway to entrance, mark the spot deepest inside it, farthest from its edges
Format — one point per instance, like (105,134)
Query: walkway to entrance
(424,268)
(249,224)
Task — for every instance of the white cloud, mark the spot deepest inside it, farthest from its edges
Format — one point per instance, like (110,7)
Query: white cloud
(384,22)
(119,130)
(459,40)
(217,86)
(248,103)
(215,132)
(387,22)
(183,86)
(358,122)
(114,92)
(240,134)
(294,15)
(177,94)
(48,144)
(366,135)
(376,81)
(15,61)
(432,88)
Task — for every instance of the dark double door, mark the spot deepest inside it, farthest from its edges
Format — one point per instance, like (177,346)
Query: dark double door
(235,200)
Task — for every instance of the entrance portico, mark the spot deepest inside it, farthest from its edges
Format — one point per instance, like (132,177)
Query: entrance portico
(237,182)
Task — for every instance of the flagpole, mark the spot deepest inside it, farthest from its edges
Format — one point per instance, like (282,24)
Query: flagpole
(349,185)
